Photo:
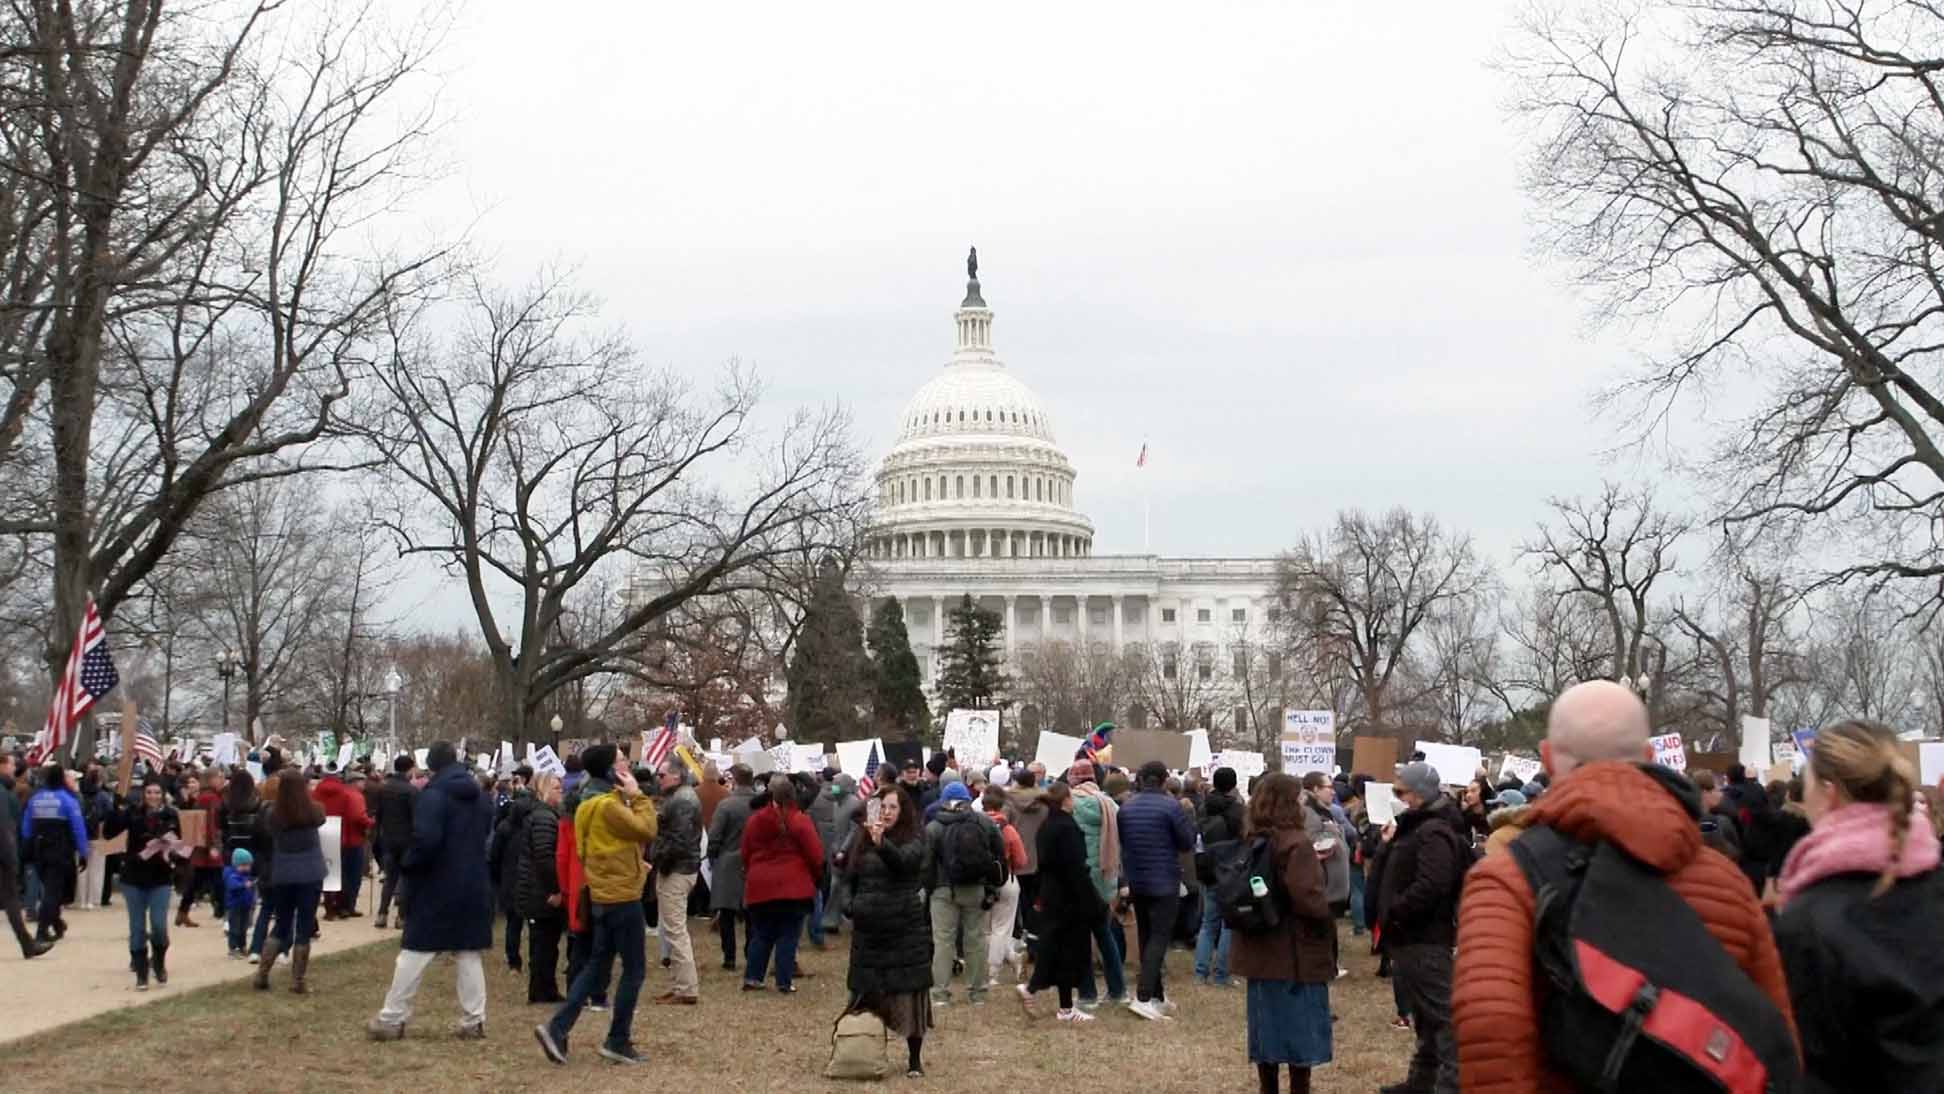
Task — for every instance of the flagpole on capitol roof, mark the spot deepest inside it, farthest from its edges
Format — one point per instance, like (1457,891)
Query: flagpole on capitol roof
(1147,509)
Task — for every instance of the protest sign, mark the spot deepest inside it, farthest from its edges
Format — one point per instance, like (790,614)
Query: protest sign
(1717,762)
(853,755)
(1783,754)
(761,763)
(1930,761)
(226,749)
(1755,743)
(1380,802)
(195,827)
(1520,768)
(331,838)
(1376,756)
(546,763)
(1308,741)
(1134,747)
(1456,764)
(419,754)
(1669,751)
(972,736)
(1246,765)
(1056,751)
(1198,751)
(344,756)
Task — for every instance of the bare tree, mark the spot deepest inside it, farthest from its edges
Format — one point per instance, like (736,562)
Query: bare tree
(1748,634)
(1552,644)
(1761,176)
(1610,551)
(533,455)
(1361,593)
(1063,687)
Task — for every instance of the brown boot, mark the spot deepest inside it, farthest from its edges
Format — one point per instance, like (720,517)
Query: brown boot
(182,916)
(299,965)
(271,948)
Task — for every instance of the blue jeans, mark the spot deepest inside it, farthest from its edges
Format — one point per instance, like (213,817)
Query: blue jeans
(296,912)
(262,929)
(774,927)
(815,922)
(352,871)
(31,896)
(1213,941)
(617,929)
(148,915)
(239,927)
(1110,962)
(1357,925)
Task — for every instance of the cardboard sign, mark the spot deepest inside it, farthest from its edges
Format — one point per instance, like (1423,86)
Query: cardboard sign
(1375,756)
(1134,747)
(195,827)
(972,736)
(1380,802)
(1669,751)
(1056,751)
(1456,764)
(1520,768)
(1717,762)
(331,839)
(898,753)
(1755,743)
(1198,751)
(1930,761)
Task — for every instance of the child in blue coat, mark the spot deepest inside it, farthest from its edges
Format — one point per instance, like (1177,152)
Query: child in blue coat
(239,896)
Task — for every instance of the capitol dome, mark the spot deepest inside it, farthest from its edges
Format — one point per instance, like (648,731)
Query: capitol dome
(975,471)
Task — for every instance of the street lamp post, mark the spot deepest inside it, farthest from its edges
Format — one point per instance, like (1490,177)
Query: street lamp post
(226,665)
(555,726)
(392,683)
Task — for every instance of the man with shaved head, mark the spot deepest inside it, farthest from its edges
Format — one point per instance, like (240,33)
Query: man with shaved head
(1605,790)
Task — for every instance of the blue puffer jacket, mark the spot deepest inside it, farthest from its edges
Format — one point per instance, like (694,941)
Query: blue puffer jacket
(1154,831)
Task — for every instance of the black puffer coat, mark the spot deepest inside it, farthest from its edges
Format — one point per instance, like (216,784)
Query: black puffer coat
(532,865)
(891,947)
(1423,869)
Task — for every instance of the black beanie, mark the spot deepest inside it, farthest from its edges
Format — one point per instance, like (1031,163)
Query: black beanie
(1225,779)
(598,761)
(441,755)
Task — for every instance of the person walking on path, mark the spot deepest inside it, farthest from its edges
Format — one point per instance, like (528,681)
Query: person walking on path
(450,902)
(1005,903)
(890,958)
(1289,968)
(781,858)
(677,858)
(54,839)
(1154,833)
(1862,898)
(294,819)
(612,830)
(148,876)
(393,824)
(726,861)
(537,890)
(1070,908)
(10,862)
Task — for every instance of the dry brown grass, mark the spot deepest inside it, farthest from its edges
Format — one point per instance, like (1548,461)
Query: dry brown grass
(230,1039)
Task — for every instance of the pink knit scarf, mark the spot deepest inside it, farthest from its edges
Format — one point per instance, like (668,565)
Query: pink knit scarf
(1855,839)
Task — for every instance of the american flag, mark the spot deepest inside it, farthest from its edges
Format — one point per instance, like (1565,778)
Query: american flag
(1141,460)
(867,785)
(90,675)
(663,744)
(146,746)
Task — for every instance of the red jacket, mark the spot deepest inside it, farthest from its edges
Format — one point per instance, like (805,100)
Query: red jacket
(210,854)
(341,801)
(567,871)
(782,856)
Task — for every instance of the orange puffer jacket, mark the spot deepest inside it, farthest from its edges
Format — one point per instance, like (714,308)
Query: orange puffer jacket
(1494,990)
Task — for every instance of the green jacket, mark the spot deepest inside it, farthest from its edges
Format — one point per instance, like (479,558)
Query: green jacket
(1087,813)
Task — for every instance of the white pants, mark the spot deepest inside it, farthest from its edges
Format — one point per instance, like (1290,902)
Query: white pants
(999,945)
(410,970)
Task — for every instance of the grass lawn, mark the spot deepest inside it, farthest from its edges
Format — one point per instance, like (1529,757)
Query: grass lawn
(230,1038)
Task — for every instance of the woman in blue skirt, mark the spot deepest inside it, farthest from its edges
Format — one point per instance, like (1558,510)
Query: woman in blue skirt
(1289,969)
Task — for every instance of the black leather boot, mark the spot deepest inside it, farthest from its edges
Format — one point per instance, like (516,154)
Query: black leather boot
(138,960)
(157,951)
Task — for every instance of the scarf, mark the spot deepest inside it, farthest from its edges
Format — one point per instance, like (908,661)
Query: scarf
(1855,839)
(1110,859)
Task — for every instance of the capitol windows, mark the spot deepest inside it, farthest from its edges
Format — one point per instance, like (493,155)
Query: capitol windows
(1204,665)
(1239,615)
(1241,664)
(1202,615)
(975,486)
(1167,615)
(961,487)
(927,489)
(1009,486)
(995,486)
(1170,665)
(1098,615)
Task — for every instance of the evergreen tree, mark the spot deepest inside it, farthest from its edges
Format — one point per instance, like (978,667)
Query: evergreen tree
(830,678)
(970,676)
(898,701)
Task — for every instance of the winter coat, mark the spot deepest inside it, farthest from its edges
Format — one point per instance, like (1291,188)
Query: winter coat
(958,813)
(502,855)
(1649,813)
(850,814)
(1067,894)
(452,895)
(300,856)
(1422,870)
(1302,947)
(678,836)
(9,824)
(1028,814)
(239,890)
(1336,863)
(143,825)
(782,857)
(534,875)
(711,795)
(397,800)
(1015,847)
(1225,807)
(1865,972)
(612,835)
(1153,834)
(340,800)
(891,947)
(1090,814)
(1508,824)
(59,813)
(725,851)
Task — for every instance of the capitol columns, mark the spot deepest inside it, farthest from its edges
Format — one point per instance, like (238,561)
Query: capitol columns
(1046,620)
(1012,628)
(1119,645)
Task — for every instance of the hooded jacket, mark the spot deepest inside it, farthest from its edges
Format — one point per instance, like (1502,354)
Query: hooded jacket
(396,797)
(1028,814)
(451,894)
(611,836)
(1650,813)
(1423,867)
(341,801)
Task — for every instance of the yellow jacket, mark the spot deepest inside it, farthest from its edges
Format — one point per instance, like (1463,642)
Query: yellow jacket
(612,836)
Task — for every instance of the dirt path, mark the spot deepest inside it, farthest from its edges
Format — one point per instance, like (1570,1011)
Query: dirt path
(87,973)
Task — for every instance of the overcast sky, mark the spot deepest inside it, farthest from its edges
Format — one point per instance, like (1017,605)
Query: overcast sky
(1283,244)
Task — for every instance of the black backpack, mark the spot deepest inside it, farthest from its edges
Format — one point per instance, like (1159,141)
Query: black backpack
(1214,830)
(967,855)
(1635,994)
(1239,865)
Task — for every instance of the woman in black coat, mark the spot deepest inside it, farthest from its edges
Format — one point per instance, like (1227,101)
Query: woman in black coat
(1069,906)
(147,876)
(890,961)
(536,889)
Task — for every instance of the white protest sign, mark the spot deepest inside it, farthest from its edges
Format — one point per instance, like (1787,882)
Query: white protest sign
(255,769)
(853,755)
(546,763)
(1755,745)
(753,744)
(1380,801)
(226,749)
(1669,751)
(1520,768)
(1199,754)
(1308,741)
(1784,752)
(973,737)
(418,756)
(1456,764)
(1246,765)
(506,756)
(1930,761)
(809,758)
(344,756)
(759,762)
(1056,751)
(331,838)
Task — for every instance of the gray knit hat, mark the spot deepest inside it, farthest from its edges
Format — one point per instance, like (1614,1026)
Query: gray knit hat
(1419,778)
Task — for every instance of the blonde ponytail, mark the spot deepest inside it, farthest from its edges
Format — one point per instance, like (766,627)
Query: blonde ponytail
(1866,761)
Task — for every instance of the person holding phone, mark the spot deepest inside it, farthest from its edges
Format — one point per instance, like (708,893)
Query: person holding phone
(891,945)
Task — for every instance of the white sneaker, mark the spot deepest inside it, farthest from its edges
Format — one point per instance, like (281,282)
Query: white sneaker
(1341,973)
(1076,1016)
(1147,1010)
(1166,1007)
(255,957)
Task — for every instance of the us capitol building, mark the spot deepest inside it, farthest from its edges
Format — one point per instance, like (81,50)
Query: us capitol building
(976,496)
